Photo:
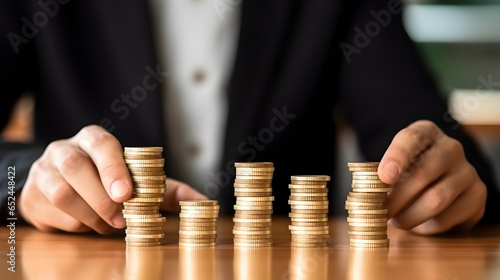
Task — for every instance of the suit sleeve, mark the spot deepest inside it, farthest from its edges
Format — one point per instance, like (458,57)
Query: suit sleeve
(18,73)
(384,87)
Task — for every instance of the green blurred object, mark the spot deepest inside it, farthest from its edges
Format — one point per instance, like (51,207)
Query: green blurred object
(459,43)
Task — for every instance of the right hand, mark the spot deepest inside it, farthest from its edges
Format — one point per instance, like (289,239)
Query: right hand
(77,185)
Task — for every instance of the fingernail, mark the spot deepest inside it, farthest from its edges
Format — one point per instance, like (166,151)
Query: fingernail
(118,220)
(119,189)
(391,170)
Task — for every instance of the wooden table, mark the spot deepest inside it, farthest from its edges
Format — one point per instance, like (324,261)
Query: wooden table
(90,256)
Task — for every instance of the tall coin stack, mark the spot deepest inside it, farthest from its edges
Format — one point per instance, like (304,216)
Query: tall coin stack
(254,204)
(309,215)
(366,207)
(198,223)
(145,224)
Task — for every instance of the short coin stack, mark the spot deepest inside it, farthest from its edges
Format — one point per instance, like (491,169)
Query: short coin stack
(254,204)
(198,223)
(145,225)
(309,215)
(366,207)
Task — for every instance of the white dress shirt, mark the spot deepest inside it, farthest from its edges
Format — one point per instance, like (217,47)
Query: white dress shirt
(196,41)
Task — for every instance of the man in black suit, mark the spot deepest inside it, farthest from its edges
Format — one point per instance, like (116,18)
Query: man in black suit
(93,63)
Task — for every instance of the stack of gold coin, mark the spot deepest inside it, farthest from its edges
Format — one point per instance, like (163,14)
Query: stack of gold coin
(309,215)
(144,222)
(254,204)
(366,207)
(198,223)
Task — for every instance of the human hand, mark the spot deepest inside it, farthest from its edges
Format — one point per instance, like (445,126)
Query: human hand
(77,185)
(435,188)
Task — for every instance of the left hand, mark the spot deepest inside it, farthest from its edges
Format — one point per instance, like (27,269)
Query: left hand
(435,188)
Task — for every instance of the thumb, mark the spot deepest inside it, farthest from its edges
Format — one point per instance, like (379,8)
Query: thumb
(177,191)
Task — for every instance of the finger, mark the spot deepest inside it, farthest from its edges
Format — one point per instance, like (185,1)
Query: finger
(81,194)
(178,191)
(107,155)
(434,200)
(44,215)
(463,214)
(435,162)
(406,146)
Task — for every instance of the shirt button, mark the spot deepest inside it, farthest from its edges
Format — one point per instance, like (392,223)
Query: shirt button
(199,76)
(193,150)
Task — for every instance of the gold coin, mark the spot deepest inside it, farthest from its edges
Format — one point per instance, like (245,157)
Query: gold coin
(380,190)
(252,225)
(145,169)
(199,232)
(307,186)
(308,203)
(139,212)
(309,232)
(310,211)
(143,149)
(366,200)
(150,186)
(252,186)
(307,206)
(148,220)
(198,224)
(128,156)
(211,208)
(197,240)
(145,161)
(197,245)
(367,195)
(198,220)
(363,164)
(198,202)
(198,228)
(145,224)
(307,190)
(255,199)
(253,173)
(149,190)
(253,164)
(147,199)
(370,241)
(255,232)
(252,194)
(254,212)
(243,220)
(146,236)
(376,225)
(308,228)
(253,177)
(146,166)
(368,229)
(309,196)
(197,215)
(309,224)
(252,181)
(309,245)
(310,236)
(368,216)
(199,235)
(146,195)
(310,178)
(145,228)
(358,220)
(252,207)
(254,203)
(367,233)
(244,215)
(139,216)
(255,169)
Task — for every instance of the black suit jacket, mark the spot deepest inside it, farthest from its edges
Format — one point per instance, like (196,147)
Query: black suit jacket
(291,69)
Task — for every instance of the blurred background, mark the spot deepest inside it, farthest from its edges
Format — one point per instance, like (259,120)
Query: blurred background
(460,42)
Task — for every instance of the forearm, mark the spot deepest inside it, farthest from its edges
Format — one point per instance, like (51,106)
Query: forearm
(17,158)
